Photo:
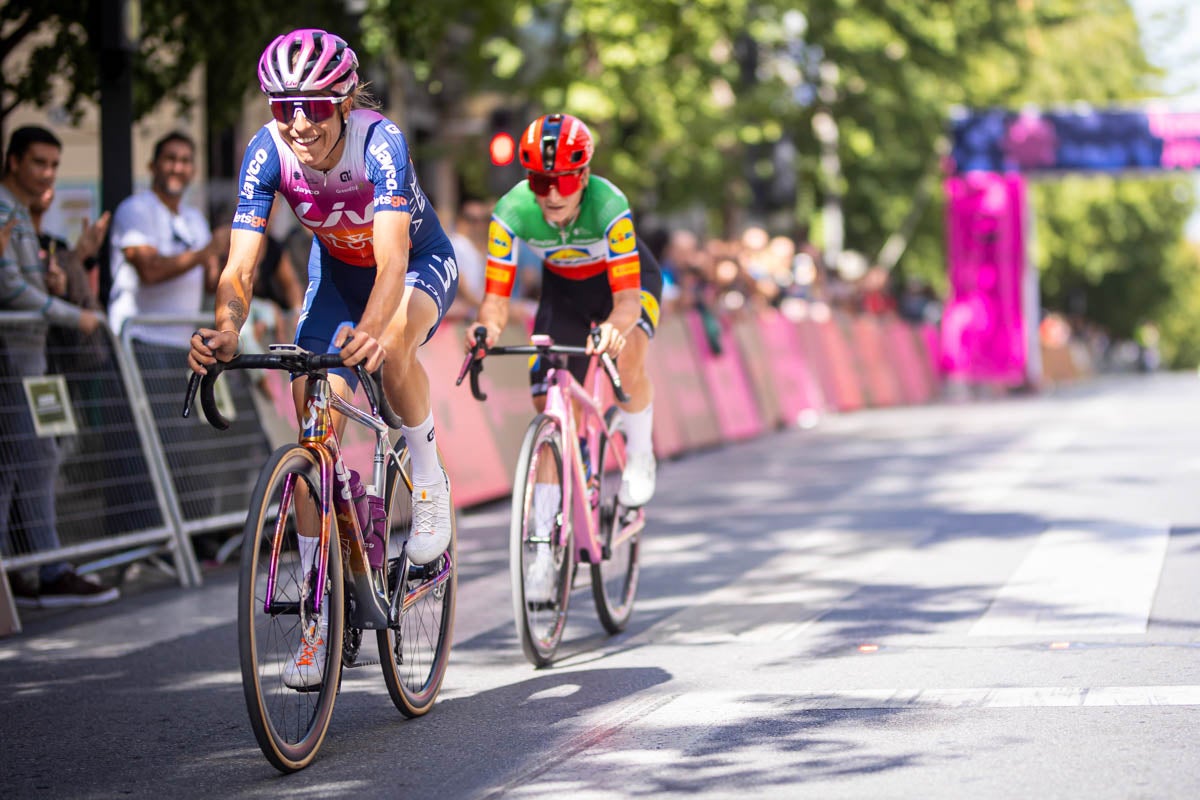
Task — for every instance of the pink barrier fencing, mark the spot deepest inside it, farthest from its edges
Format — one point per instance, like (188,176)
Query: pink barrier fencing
(759,370)
(839,363)
(477,466)
(901,345)
(728,386)
(679,385)
(796,384)
(876,367)
(770,370)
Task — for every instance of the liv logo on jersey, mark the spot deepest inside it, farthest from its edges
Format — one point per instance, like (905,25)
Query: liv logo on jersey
(334,216)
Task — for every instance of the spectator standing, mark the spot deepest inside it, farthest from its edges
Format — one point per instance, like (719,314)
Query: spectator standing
(164,255)
(469,239)
(27,514)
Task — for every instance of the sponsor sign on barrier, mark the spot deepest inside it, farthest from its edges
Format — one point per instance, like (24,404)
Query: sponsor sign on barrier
(728,386)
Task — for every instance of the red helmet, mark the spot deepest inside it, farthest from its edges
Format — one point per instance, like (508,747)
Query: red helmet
(556,143)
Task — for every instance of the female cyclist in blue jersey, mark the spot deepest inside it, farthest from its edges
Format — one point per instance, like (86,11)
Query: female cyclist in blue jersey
(381,269)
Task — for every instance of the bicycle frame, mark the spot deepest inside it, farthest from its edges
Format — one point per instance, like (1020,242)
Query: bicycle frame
(369,607)
(562,390)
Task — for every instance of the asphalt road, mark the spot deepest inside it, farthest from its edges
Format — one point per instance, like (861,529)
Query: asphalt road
(994,599)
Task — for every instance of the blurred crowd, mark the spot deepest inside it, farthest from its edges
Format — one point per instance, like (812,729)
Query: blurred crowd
(759,270)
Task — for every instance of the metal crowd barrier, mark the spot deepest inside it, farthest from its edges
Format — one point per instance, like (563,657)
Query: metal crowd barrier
(110,500)
(208,477)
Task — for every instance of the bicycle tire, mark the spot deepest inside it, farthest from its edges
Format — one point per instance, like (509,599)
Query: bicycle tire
(415,653)
(615,578)
(289,724)
(540,622)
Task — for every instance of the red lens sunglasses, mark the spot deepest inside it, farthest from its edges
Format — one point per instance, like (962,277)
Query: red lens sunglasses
(315,109)
(566,182)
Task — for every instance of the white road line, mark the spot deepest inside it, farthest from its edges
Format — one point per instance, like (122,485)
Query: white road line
(729,706)
(1087,579)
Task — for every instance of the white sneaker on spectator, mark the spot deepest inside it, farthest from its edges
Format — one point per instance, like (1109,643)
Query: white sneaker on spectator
(431,522)
(539,580)
(306,670)
(638,479)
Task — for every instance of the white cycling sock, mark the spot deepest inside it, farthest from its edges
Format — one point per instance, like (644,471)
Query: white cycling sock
(422,448)
(308,551)
(638,429)
(547,498)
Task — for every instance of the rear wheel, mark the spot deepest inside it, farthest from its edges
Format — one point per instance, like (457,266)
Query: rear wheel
(416,651)
(615,578)
(541,552)
(291,662)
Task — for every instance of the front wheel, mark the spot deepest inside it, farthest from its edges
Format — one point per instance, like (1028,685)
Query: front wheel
(416,651)
(615,578)
(291,654)
(541,550)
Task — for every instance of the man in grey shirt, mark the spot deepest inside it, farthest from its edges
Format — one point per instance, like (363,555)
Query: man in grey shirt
(30,462)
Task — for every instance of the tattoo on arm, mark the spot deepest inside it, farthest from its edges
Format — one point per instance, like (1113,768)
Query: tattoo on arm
(237,312)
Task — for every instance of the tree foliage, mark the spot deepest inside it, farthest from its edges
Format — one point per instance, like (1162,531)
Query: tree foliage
(692,99)
(64,42)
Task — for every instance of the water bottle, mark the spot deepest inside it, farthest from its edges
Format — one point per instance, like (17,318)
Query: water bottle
(358,495)
(372,519)
(375,534)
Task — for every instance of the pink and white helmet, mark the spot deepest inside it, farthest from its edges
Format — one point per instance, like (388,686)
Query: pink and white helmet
(308,60)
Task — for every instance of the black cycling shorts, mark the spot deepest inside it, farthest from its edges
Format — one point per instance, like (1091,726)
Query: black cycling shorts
(568,309)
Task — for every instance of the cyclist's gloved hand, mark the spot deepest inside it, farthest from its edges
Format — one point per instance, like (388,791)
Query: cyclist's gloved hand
(208,346)
(358,346)
(612,341)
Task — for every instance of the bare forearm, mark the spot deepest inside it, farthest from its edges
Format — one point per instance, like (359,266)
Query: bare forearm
(385,298)
(493,311)
(157,268)
(627,309)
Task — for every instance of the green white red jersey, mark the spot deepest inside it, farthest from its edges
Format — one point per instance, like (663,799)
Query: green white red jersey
(601,239)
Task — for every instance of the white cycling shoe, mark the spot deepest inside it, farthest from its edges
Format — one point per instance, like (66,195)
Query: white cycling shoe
(539,580)
(431,522)
(638,479)
(306,670)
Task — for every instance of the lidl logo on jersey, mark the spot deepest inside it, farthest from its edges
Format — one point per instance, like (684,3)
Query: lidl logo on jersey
(620,237)
(569,257)
(500,243)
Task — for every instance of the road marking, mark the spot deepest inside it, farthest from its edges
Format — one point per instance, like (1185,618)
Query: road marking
(730,706)
(1088,579)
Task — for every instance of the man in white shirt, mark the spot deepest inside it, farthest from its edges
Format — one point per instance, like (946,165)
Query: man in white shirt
(164,256)
(469,239)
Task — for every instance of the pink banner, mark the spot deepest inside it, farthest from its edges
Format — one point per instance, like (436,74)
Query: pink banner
(737,414)
(983,328)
